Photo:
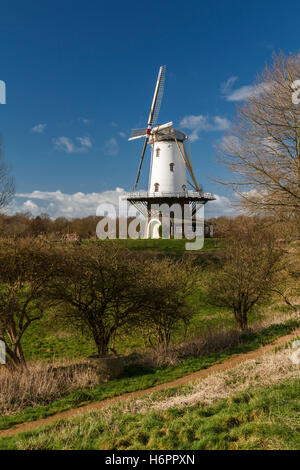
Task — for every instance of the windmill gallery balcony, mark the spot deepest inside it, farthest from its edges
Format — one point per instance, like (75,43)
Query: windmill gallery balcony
(188,195)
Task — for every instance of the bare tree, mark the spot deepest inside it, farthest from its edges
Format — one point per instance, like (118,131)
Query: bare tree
(164,289)
(263,148)
(96,287)
(7,187)
(250,273)
(26,266)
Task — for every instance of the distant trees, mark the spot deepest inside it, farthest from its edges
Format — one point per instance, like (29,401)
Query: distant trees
(26,225)
(250,271)
(39,225)
(26,267)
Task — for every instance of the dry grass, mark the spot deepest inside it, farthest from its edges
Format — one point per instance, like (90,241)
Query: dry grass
(210,341)
(128,425)
(41,384)
(269,370)
(273,317)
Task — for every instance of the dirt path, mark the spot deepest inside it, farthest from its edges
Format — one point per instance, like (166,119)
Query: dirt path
(228,364)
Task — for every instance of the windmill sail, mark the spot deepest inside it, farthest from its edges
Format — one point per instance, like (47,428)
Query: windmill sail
(137,133)
(158,94)
(153,116)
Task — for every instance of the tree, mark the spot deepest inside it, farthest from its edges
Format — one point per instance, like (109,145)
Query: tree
(26,266)
(250,271)
(39,225)
(263,148)
(6,182)
(96,288)
(164,289)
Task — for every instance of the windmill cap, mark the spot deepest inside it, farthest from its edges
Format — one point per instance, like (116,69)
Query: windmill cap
(168,134)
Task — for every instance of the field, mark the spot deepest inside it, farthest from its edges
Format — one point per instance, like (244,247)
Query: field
(168,246)
(212,338)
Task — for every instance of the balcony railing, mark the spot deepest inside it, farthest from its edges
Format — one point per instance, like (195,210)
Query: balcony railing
(159,194)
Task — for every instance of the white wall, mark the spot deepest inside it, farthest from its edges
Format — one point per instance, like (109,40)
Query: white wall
(169,182)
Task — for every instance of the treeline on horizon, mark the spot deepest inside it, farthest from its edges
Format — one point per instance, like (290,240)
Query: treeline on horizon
(27,225)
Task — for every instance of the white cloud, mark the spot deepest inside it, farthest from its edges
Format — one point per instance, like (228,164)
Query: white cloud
(122,134)
(85,141)
(59,204)
(39,128)
(242,93)
(84,120)
(227,86)
(111,147)
(220,124)
(228,143)
(67,145)
(191,122)
(201,123)
(221,206)
(30,206)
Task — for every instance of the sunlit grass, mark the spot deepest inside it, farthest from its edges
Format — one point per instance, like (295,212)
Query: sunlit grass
(262,419)
(143,377)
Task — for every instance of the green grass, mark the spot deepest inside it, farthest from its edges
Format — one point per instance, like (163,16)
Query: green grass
(42,342)
(261,419)
(167,246)
(140,378)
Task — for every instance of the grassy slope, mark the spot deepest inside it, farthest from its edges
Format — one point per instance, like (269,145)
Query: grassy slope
(43,341)
(266,418)
(140,378)
(167,246)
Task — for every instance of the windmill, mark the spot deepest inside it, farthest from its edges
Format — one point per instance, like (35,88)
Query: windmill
(170,161)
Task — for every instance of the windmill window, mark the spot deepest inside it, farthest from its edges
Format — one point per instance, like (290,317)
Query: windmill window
(156,187)
(158,152)
(172,167)
(184,187)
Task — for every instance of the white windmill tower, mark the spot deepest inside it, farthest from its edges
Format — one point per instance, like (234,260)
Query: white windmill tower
(170,162)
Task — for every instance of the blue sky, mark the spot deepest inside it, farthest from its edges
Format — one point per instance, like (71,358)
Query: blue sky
(80,75)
